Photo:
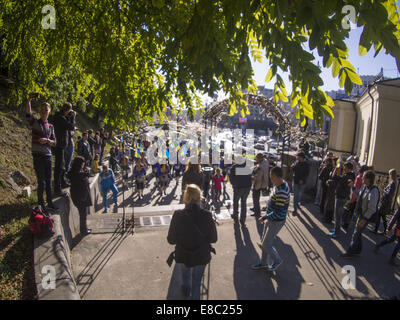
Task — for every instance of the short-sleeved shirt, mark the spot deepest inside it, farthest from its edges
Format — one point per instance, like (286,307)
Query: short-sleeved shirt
(40,129)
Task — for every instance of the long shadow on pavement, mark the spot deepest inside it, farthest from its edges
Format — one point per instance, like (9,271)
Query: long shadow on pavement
(369,270)
(249,284)
(92,270)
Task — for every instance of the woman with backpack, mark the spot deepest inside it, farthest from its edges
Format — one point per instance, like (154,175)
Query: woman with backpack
(192,230)
(80,191)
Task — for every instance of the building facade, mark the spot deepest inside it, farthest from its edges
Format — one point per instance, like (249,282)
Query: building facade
(369,126)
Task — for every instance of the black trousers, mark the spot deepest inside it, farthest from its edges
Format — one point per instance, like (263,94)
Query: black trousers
(256,201)
(83,212)
(59,168)
(42,166)
(381,215)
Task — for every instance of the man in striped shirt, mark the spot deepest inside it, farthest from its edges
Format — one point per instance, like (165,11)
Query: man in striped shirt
(43,138)
(273,221)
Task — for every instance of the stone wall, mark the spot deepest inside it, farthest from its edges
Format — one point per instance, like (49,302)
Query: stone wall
(54,253)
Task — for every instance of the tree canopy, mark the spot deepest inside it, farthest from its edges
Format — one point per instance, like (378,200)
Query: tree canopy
(134,58)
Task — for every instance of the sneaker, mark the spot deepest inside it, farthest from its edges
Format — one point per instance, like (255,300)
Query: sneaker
(105,210)
(294,213)
(274,266)
(255,215)
(333,235)
(258,266)
(252,209)
(52,206)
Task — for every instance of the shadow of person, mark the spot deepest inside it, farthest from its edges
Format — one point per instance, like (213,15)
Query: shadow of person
(288,276)
(249,284)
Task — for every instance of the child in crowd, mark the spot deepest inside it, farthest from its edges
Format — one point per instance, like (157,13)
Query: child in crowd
(96,164)
(125,165)
(106,183)
(139,173)
(218,179)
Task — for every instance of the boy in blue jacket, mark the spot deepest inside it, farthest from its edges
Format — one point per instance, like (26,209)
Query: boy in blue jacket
(107,182)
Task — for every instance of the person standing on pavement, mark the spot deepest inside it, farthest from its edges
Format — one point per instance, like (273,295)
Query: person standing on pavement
(80,191)
(104,138)
(393,224)
(261,174)
(192,175)
(91,141)
(84,149)
(324,176)
(64,121)
(367,206)
(344,178)
(386,203)
(300,175)
(43,138)
(241,184)
(274,221)
(106,183)
(69,152)
(192,230)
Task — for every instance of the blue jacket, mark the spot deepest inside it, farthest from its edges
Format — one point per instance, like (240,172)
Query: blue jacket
(106,181)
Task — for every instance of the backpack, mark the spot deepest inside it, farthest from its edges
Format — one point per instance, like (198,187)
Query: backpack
(40,223)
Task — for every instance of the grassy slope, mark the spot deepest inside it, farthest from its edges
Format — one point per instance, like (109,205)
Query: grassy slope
(16,242)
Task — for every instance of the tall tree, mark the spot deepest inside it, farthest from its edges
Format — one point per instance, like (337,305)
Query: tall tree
(139,57)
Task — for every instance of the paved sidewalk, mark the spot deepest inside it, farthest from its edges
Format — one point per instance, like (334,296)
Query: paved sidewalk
(115,266)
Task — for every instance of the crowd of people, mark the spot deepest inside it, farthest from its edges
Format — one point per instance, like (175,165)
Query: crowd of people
(56,136)
(347,193)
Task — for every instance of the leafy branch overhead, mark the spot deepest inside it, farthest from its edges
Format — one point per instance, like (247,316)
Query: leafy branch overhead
(135,58)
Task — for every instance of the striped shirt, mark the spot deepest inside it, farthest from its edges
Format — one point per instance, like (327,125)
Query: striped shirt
(40,129)
(278,204)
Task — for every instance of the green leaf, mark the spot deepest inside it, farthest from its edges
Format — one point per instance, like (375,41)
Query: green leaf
(269,76)
(354,77)
(335,67)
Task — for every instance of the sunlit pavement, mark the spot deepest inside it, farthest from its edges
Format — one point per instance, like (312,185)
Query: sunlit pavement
(133,266)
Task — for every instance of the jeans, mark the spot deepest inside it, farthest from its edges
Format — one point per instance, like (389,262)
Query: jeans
(269,254)
(69,152)
(191,280)
(59,168)
(339,206)
(256,201)
(240,194)
(356,239)
(390,240)
(42,166)
(298,190)
(114,190)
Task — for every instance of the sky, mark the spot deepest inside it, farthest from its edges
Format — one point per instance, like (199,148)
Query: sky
(365,65)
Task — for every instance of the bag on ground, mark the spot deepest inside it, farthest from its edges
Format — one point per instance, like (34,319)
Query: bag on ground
(40,223)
